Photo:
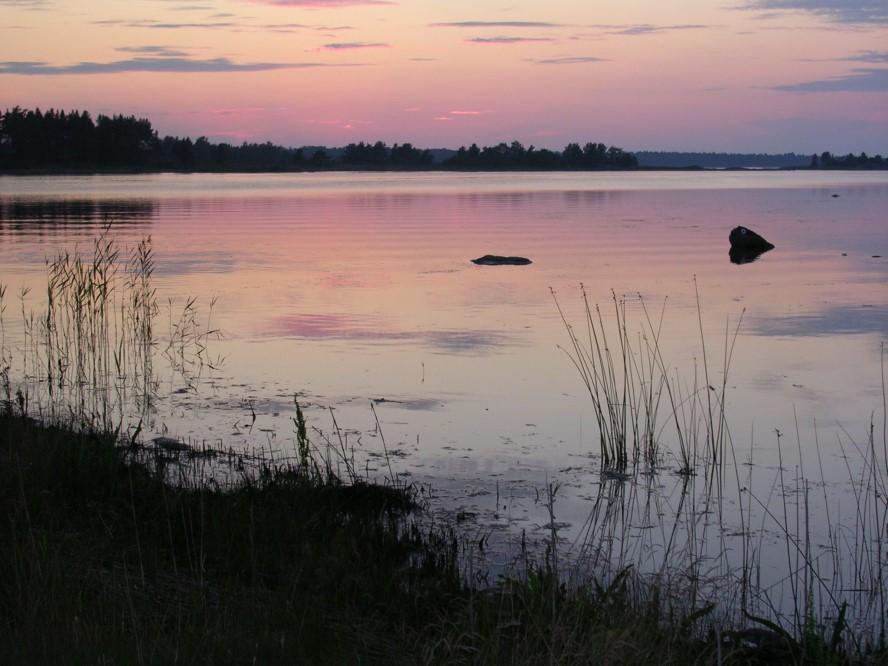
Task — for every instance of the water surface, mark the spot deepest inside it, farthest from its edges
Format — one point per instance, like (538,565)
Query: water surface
(348,289)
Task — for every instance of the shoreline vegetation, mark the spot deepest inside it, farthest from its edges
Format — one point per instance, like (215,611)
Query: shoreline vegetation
(108,561)
(33,142)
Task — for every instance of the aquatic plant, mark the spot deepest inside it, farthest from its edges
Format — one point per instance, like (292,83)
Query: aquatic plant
(88,353)
(628,381)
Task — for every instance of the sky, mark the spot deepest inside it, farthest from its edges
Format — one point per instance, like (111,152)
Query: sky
(694,75)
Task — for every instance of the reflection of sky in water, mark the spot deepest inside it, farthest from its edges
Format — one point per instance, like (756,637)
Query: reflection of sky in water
(368,330)
(832,320)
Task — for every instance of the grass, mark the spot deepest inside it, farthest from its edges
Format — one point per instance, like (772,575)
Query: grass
(630,386)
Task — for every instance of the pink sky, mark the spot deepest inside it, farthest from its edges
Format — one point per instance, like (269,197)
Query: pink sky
(737,75)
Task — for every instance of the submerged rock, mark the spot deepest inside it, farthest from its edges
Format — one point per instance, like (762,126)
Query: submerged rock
(496,260)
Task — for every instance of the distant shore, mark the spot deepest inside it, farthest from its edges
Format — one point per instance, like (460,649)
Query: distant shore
(121,171)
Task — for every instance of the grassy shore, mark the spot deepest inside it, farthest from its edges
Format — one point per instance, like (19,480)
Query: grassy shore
(103,561)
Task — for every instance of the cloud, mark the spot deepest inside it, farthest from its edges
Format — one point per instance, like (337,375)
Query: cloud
(160,25)
(323,4)
(569,60)
(864,79)
(165,51)
(496,24)
(241,23)
(181,65)
(844,11)
(648,29)
(869,56)
(641,29)
(348,46)
(507,40)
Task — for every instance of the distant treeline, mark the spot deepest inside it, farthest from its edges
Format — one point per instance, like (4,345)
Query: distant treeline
(663,159)
(60,141)
(849,161)
(56,140)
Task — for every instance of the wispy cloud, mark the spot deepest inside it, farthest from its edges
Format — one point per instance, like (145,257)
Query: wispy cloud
(507,40)
(232,22)
(569,60)
(845,11)
(869,56)
(164,25)
(648,29)
(163,51)
(183,65)
(496,24)
(28,4)
(641,29)
(858,80)
(323,4)
(350,46)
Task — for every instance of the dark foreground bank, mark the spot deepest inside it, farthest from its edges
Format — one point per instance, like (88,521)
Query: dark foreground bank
(102,560)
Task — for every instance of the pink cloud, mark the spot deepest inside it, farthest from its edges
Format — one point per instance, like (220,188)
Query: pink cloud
(324,4)
(350,46)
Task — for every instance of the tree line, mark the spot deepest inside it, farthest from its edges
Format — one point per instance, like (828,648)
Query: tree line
(850,161)
(59,140)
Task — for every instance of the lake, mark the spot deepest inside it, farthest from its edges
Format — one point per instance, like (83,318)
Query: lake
(354,290)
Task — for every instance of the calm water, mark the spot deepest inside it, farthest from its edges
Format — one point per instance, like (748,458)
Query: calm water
(349,288)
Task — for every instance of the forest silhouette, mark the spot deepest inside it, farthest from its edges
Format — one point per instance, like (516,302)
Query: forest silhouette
(59,141)
(32,139)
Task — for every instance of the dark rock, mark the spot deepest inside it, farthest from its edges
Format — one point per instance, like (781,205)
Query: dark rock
(746,239)
(496,260)
(835,196)
(746,245)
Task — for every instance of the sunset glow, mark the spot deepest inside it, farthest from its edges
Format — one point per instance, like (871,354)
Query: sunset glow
(750,75)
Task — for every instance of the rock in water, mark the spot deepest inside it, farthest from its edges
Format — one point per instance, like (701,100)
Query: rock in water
(746,245)
(746,239)
(496,260)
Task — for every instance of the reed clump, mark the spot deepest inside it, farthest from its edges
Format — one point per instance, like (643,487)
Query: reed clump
(636,395)
(88,354)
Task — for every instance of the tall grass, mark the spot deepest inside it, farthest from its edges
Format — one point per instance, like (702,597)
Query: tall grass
(630,386)
(89,353)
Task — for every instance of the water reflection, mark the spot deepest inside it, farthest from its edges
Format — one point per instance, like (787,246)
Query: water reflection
(367,329)
(64,211)
(746,256)
(832,320)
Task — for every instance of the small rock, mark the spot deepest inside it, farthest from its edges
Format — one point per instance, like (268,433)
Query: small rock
(497,260)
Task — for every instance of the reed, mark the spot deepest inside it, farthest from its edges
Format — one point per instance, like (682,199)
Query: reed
(629,382)
(89,351)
